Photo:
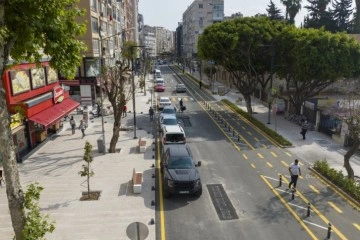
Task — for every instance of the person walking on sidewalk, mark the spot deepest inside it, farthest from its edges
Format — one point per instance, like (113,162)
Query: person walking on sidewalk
(295,172)
(124,111)
(200,84)
(73,124)
(82,127)
(304,129)
(151,113)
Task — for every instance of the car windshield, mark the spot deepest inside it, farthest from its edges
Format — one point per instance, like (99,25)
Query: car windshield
(164,100)
(168,111)
(175,138)
(181,86)
(181,163)
(169,121)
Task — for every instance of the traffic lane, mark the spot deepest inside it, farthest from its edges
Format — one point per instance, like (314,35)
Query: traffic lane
(327,206)
(246,191)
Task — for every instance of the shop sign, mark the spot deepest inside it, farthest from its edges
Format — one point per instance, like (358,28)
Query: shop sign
(15,120)
(58,94)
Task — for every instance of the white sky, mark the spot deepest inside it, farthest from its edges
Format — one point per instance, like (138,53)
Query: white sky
(167,13)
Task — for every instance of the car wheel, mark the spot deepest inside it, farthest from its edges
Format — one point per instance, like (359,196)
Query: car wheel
(198,193)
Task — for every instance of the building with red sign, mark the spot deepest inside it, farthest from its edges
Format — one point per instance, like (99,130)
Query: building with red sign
(37,102)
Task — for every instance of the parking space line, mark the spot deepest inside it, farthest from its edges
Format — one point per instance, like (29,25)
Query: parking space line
(284,163)
(269,164)
(253,166)
(244,156)
(274,154)
(357,226)
(288,154)
(335,207)
(256,139)
(260,156)
(305,208)
(314,224)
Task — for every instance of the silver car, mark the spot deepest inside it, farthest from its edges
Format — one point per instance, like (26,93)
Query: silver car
(180,88)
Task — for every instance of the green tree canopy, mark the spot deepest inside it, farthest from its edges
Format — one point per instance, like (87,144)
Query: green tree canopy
(274,13)
(319,15)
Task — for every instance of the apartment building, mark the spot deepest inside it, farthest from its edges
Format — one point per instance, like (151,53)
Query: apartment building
(199,15)
(109,24)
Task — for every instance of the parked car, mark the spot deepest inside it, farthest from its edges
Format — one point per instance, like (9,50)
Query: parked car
(163,101)
(168,110)
(160,87)
(172,135)
(179,171)
(180,88)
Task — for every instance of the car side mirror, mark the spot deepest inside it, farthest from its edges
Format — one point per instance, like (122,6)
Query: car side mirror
(198,164)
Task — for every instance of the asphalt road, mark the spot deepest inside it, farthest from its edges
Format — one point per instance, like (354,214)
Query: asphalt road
(240,177)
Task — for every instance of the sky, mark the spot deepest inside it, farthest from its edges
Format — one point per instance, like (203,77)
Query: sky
(167,13)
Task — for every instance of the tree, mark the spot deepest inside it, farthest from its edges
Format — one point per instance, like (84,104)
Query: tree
(86,168)
(238,46)
(292,8)
(356,20)
(313,59)
(26,27)
(117,88)
(274,13)
(36,224)
(319,16)
(348,111)
(341,14)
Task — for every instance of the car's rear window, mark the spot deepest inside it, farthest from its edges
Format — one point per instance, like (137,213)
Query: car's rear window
(170,121)
(174,138)
(164,100)
(169,111)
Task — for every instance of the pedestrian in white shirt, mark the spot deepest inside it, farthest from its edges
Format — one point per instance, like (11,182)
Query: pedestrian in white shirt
(295,172)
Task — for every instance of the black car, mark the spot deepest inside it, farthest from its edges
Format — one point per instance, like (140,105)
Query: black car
(180,173)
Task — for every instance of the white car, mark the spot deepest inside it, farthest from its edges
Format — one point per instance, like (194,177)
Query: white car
(164,101)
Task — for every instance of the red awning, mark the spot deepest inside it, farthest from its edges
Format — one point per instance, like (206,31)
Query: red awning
(54,113)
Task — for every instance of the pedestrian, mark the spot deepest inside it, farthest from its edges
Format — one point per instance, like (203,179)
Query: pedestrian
(98,110)
(73,124)
(82,127)
(200,84)
(181,105)
(151,113)
(124,111)
(304,128)
(295,172)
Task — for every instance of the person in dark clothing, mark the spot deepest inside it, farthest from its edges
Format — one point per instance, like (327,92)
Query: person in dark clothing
(200,84)
(151,113)
(304,129)
(73,124)
(98,110)
(181,105)
(124,111)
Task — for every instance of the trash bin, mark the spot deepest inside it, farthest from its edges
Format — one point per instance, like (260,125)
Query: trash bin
(101,146)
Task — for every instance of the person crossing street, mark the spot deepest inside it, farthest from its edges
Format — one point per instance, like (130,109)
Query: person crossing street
(295,172)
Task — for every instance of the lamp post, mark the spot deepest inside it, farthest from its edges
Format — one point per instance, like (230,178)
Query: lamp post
(133,84)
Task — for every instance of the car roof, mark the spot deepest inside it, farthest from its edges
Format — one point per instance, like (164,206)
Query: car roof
(174,129)
(169,107)
(178,150)
(168,116)
(164,98)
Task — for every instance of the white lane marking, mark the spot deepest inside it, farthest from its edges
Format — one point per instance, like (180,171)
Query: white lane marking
(317,225)
(305,208)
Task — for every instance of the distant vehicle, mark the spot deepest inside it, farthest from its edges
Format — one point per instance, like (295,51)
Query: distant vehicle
(163,101)
(167,120)
(180,88)
(159,87)
(168,110)
(180,173)
(279,104)
(159,80)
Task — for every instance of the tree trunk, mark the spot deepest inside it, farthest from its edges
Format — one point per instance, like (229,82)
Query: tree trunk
(14,192)
(88,180)
(116,130)
(347,157)
(247,99)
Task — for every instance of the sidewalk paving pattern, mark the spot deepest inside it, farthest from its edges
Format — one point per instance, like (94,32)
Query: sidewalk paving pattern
(56,165)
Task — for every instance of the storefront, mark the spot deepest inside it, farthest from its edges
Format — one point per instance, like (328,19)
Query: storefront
(37,102)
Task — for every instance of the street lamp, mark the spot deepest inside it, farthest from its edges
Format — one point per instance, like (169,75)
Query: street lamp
(133,84)
(271,81)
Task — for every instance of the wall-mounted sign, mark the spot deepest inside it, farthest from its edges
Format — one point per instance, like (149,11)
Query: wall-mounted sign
(58,94)
(15,120)
(51,75)
(20,81)
(37,77)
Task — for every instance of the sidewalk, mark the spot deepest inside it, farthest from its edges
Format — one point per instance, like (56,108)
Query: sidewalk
(317,146)
(56,165)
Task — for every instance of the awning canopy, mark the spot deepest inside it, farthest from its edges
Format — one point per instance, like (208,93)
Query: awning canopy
(54,113)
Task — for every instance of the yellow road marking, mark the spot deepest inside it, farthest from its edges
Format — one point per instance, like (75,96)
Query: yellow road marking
(274,154)
(335,207)
(269,164)
(244,156)
(357,226)
(288,154)
(264,146)
(312,235)
(256,139)
(314,189)
(260,156)
(243,127)
(341,236)
(285,164)
(162,214)
(253,166)
(249,133)
(301,177)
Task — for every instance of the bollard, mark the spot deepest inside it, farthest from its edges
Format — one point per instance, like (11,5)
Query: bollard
(280,181)
(238,138)
(329,231)
(233,132)
(292,195)
(225,124)
(229,128)
(152,222)
(152,203)
(152,188)
(308,210)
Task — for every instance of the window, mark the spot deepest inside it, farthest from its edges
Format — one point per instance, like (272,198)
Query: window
(200,5)
(93,5)
(94,25)
(95,43)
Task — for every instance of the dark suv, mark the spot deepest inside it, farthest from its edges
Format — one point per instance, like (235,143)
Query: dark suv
(180,174)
